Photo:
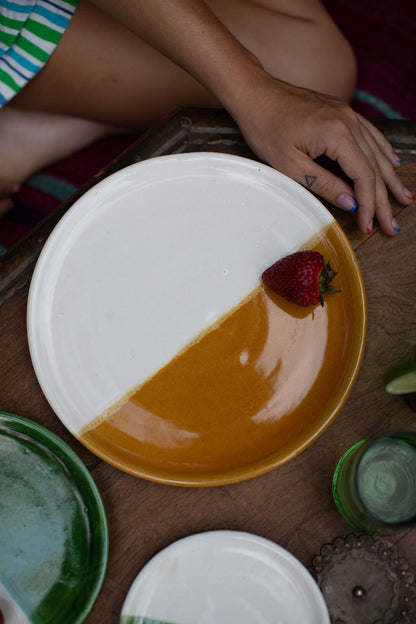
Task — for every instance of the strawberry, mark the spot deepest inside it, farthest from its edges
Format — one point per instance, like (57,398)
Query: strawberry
(302,277)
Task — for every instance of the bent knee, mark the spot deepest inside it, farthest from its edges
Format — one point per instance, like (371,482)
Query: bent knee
(317,57)
(296,41)
(309,47)
(339,75)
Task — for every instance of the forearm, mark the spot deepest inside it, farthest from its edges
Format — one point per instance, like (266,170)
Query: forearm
(285,125)
(188,33)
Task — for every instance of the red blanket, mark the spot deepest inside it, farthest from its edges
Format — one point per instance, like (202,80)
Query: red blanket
(383,35)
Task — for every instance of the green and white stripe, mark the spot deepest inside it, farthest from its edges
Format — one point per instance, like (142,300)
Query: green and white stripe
(29,33)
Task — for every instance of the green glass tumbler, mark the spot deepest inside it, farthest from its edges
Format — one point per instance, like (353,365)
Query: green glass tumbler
(374,484)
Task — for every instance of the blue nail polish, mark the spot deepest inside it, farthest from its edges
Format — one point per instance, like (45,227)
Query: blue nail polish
(346,201)
(355,206)
(395,226)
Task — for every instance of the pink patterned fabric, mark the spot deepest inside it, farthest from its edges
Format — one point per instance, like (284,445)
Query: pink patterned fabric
(383,35)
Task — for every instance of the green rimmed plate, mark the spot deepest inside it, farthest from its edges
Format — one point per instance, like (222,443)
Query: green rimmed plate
(53,528)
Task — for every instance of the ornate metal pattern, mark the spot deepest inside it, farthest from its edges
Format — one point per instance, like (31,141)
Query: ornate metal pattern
(365,580)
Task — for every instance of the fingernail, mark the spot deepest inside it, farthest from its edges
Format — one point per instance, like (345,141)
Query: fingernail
(398,159)
(370,227)
(395,225)
(347,202)
(408,193)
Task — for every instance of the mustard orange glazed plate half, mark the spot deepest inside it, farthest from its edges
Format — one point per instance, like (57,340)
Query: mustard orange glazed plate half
(153,339)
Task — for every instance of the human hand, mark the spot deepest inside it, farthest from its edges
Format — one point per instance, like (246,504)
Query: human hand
(287,126)
(290,127)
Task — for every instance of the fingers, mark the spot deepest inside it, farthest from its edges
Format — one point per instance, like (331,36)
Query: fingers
(385,160)
(382,159)
(369,161)
(379,171)
(369,193)
(297,126)
(384,145)
(321,182)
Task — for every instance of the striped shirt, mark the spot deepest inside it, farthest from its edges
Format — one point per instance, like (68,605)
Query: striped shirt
(29,33)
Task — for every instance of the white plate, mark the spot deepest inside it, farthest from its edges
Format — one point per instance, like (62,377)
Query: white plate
(143,263)
(115,273)
(224,577)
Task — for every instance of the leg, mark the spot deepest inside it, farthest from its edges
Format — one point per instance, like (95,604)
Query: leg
(38,131)
(126,83)
(34,139)
(296,41)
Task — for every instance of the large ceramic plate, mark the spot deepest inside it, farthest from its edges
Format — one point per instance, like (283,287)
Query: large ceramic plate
(224,577)
(53,528)
(153,340)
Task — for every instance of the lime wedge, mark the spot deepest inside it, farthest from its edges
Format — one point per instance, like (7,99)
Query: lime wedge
(402,379)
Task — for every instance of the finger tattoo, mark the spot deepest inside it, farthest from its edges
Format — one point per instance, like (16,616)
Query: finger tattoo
(310,179)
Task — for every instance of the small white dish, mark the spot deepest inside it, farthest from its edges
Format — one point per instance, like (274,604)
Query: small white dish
(224,577)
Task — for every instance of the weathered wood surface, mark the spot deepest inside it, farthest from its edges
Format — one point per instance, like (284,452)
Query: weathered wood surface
(291,505)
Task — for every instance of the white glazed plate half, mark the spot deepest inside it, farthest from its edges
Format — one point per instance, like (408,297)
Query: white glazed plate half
(224,577)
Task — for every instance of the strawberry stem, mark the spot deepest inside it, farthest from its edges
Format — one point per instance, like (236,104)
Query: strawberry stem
(325,279)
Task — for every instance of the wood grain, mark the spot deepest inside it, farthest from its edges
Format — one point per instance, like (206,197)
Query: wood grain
(291,505)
